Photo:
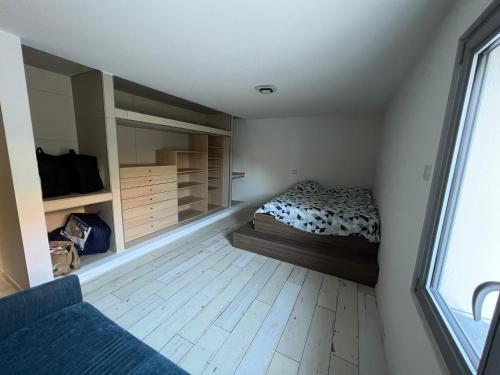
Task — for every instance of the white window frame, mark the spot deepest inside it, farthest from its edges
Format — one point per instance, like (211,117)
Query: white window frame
(453,150)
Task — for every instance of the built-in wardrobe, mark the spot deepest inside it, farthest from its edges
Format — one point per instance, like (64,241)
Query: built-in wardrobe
(174,161)
(164,161)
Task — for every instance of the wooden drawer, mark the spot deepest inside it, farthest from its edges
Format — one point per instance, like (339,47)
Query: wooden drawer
(149,209)
(148,190)
(148,228)
(152,216)
(133,182)
(146,171)
(145,200)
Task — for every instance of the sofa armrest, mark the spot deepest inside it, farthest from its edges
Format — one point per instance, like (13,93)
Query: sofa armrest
(23,308)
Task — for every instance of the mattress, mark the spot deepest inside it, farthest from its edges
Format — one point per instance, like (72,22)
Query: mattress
(310,207)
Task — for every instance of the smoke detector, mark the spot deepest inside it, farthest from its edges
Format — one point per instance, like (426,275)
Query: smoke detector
(265,89)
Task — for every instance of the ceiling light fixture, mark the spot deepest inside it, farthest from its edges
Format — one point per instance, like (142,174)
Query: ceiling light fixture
(265,89)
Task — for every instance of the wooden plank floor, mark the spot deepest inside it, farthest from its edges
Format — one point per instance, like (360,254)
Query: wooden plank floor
(5,287)
(215,309)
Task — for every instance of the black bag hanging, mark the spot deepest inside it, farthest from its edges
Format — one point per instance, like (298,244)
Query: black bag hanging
(83,172)
(53,174)
(99,237)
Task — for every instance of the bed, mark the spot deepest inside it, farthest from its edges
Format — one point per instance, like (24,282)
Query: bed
(336,231)
(311,208)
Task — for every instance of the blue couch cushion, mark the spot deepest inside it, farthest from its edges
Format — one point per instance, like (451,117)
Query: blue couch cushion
(20,309)
(78,339)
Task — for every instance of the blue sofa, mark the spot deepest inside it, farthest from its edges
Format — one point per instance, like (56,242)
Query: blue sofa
(50,330)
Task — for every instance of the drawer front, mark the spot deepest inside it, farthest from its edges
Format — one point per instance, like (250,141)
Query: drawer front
(153,170)
(149,209)
(148,218)
(133,182)
(146,200)
(149,190)
(148,228)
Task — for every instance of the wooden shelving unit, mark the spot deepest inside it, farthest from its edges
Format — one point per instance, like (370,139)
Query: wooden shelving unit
(186,201)
(193,138)
(215,171)
(188,185)
(82,104)
(192,175)
(99,114)
(141,119)
(196,189)
(189,170)
(200,172)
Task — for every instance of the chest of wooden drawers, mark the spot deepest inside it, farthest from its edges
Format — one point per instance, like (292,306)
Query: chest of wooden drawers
(149,199)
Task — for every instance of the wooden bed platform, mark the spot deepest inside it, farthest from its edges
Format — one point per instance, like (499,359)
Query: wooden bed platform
(352,258)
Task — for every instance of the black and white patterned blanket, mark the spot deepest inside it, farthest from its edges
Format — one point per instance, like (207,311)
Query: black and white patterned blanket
(310,207)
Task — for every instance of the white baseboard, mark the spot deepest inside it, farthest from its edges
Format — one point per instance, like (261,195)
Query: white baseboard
(97,268)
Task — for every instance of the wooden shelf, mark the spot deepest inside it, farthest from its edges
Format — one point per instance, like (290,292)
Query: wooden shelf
(237,175)
(216,157)
(142,119)
(189,170)
(194,195)
(139,165)
(184,201)
(188,185)
(189,214)
(76,200)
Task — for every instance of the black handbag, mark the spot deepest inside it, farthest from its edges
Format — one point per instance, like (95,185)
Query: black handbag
(53,174)
(83,172)
(97,241)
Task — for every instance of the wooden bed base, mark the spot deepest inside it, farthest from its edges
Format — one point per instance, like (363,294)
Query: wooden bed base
(352,258)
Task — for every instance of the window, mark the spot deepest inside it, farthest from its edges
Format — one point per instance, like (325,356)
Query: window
(460,248)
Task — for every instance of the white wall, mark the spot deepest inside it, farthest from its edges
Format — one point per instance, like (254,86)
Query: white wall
(20,147)
(13,264)
(410,137)
(52,111)
(337,151)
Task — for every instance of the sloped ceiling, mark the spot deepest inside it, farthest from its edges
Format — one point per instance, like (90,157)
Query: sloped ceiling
(324,56)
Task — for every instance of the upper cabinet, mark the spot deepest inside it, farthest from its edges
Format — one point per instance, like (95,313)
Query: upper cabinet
(141,106)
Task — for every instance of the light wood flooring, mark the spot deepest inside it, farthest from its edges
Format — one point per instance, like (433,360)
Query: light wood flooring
(215,309)
(5,287)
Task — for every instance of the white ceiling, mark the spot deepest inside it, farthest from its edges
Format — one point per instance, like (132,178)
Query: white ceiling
(324,56)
